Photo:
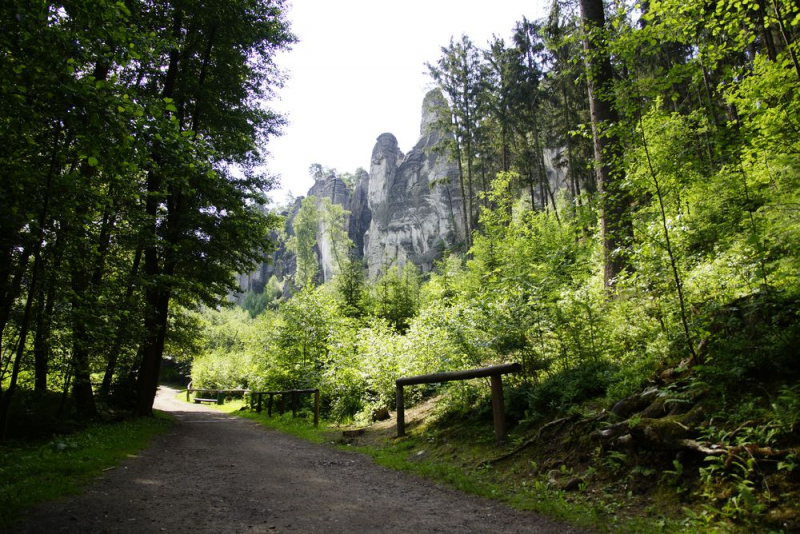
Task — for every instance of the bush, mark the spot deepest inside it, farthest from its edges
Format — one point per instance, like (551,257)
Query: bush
(560,391)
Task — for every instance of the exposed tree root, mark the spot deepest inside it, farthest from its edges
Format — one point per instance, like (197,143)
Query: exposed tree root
(528,442)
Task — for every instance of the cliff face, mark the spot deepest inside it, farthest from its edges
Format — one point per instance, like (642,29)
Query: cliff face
(414,200)
(360,214)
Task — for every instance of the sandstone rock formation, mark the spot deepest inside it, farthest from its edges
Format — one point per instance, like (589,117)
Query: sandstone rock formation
(414,199)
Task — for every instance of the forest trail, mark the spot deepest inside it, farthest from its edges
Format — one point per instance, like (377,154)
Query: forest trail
(213,473)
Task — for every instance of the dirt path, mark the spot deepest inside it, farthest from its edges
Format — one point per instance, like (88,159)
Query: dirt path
(218,474)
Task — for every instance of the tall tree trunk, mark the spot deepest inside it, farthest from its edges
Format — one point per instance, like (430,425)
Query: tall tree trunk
(44,321)
(81,316)
(111,363)
(11,291)
(616,226)
(86,274)
(464,200)
(157,295)
(8,394)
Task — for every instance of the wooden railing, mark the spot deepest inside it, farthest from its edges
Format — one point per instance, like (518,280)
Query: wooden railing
(494,372)
(293,393)
(258,395)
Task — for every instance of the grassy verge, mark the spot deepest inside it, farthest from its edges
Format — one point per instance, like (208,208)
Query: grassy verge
(427,456)
(296,426)
(31,474)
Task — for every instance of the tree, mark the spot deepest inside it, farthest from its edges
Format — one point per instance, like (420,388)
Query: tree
(460,73)
(351,288)
(616,227)
(304,242)
(333,236)
(397,295)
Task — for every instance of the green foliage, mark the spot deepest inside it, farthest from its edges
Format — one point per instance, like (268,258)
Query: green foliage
(319,230)
(256,303)
(706,107)
(396,294)
(304,240)
(132,139)
(334,234)
(560,392)
(351,288)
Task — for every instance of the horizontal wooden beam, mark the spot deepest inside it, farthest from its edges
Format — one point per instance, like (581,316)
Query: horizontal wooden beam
(193,390)
(299,391)
(493,370)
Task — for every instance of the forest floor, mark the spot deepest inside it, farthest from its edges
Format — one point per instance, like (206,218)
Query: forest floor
(216,473)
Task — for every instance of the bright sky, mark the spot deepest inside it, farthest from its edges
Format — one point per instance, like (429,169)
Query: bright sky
(359,71)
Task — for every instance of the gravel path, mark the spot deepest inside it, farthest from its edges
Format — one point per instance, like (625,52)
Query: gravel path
(212,473)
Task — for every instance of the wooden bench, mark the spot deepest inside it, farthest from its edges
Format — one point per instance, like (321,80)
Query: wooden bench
(219,394)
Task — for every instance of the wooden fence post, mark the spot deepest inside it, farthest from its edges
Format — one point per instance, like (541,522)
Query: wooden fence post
(187,394)
(401,415)
(498,412)
(258,408)
(316,408)
(282,407)
(269,404)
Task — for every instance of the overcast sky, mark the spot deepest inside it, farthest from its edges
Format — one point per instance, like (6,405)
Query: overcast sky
(359,70)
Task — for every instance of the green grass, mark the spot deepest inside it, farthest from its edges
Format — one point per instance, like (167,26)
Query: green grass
(302,427)
(31,474)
